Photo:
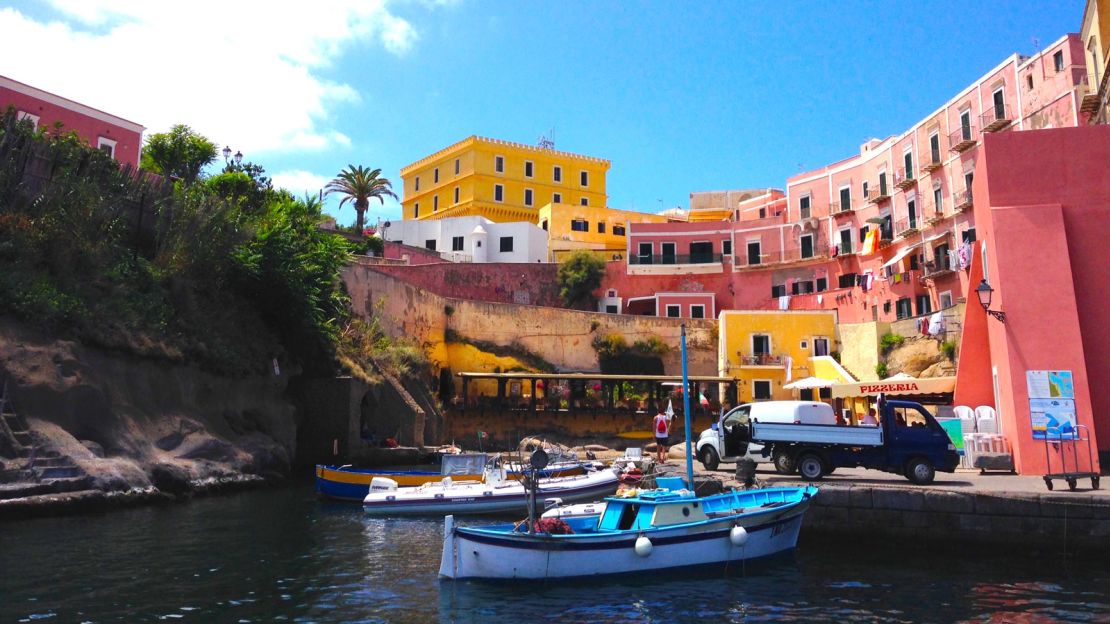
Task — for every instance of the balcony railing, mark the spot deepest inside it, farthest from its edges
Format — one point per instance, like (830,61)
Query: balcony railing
(961,201)
(933,163)
(905,227)
(878,194)
(762,359)
(934,214)
(962,139)
(1091,89)
(997,117)
(840,208)
(795,254)
(665,259)
(904,179)
(938,267)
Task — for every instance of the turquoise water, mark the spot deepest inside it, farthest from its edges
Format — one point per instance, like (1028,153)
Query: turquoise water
(280,555)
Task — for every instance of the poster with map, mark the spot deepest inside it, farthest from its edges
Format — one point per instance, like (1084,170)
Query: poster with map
(1051,404)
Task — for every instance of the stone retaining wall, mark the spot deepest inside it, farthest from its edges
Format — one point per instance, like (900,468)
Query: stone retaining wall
(1057,521)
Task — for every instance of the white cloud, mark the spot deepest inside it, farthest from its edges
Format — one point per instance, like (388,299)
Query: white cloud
(300,182)
(245,74)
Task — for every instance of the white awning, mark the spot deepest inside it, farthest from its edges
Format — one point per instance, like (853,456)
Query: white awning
(937,236)
(809,383)
(905,251)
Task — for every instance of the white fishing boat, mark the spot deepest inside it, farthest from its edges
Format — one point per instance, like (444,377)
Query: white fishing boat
(655,530)
(494,493)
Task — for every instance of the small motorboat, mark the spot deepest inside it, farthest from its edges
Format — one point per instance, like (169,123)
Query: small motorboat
(494,493)
(652,530)
(353,484)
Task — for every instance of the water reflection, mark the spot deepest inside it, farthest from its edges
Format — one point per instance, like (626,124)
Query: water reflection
(281,555)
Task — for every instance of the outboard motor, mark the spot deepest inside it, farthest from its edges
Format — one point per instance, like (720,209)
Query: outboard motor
(383,484)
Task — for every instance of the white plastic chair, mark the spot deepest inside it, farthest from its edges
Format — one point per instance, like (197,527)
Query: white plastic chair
(964,412)
(986,419)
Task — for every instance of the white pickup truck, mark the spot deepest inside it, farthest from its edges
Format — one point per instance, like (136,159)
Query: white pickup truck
(729,439)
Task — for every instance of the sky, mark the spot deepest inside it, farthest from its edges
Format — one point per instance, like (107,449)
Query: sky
(679,96)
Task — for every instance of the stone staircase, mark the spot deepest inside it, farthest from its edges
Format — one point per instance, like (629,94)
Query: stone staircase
(29,467)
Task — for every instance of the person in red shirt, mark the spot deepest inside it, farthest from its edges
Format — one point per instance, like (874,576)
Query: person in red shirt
(662,428)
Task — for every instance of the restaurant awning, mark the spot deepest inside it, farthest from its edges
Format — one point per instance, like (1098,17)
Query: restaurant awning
(808,383)
(930,385)
(902,253)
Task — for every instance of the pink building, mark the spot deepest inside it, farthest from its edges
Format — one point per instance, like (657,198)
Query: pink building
(120,138)
(911,193)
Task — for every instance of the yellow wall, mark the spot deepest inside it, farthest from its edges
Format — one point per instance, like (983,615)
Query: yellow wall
(787,330)
(860,353)
(557,218)
(478,177)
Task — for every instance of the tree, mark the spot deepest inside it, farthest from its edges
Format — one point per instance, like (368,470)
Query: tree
(179,153)
(359,184)
(579,275)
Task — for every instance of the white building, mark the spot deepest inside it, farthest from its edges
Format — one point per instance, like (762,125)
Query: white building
(472,239)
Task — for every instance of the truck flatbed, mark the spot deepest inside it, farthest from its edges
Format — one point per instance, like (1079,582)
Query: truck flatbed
(817,434)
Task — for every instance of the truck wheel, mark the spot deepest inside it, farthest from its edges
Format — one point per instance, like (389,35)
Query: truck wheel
(920,471)
(784,463)
(811,467)
(709,458)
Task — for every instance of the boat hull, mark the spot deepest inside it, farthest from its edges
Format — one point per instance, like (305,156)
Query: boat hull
(482,499)
(474,553)
(353,484)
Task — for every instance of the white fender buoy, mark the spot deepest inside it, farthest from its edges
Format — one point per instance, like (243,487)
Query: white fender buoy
(643,546)
(738,536)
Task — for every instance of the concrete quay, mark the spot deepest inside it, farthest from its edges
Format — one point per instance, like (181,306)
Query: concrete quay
(964,510)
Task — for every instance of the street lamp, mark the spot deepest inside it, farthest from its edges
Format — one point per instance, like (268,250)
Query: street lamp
(227,153)
(984,291)
(238,157)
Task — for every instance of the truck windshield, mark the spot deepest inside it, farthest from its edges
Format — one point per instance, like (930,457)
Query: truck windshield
(911,417)
(737,416)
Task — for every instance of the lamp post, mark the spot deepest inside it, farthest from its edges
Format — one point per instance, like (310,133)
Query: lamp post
(984,292)
(226,151)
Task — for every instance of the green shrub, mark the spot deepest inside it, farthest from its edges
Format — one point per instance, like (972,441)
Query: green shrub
(611,346)
(949,349)
(880,370)
(890,341)
(579,275)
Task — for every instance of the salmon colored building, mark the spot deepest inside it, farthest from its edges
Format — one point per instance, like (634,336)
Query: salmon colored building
(120,138)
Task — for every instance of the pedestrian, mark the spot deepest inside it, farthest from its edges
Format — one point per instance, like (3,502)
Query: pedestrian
(870,419)
(662,427)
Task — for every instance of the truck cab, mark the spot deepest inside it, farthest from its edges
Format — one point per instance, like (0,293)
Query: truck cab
(729,439)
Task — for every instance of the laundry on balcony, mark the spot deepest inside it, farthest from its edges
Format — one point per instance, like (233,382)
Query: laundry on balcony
(902,253)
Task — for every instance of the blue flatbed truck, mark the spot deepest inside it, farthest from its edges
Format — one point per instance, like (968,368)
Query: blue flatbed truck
(908,441)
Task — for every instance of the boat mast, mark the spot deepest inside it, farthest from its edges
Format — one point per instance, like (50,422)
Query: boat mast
(686,400)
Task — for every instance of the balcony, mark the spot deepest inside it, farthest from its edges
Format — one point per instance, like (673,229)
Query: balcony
(997,117)
(933,163)
(665,259)
(961,202)
(906,227)
(840,209)
(934,215)
(962,139)
(1091,89)
(878,194)
(797,254)
(904,179)
(762,360)
(938,268)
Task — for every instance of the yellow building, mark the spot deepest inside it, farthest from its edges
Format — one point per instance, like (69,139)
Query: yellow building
(759,347)
(597,228)
(499,180)
(1095,35)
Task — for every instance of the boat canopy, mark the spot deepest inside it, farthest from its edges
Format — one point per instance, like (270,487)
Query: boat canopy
(464,464)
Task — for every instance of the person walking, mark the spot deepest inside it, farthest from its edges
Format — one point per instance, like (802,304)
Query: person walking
(662,428)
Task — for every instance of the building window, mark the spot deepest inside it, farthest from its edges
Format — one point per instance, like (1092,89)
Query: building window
(456,194)
(584,178)
(845,241)
(822,284)
(674,311)
(911,213)
(726,247)
(864,189)
(803,207)
(761,344)
(846,198)
(820,346)
(801,287)
(506,244)
(108,146)
(1029,82)
(863,234)
(761,390)
(585,201)
(416,210)
(543,224)
(1058,60)
(457,166)
(557,174)
(498,193)
(697,311)
(903,308)
(499,164)
(846,280)
(934,148)
(667,252)
(778,291)
(435,176)
(968,235)
(600,227)
(435,203)
(556,198)
(527,197)
(618,230)
(754,254)
(806,243)
(579,225)
(416,183)
(528,166)
(611,309)
(945,299)
(644,254)
(457,243)
(430,244)
(938,200)
(34,119)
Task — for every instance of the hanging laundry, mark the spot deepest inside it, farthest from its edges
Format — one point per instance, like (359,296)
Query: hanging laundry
(869,280)
(897,278)
(835,251)
(788,364)
(784,302)
(964,256)
(870,243)
(923,326)
(820,299)
(937,324)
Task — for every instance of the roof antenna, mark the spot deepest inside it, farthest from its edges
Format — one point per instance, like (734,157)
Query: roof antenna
(547,141)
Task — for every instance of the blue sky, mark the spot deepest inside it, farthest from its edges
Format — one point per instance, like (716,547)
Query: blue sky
(680,97)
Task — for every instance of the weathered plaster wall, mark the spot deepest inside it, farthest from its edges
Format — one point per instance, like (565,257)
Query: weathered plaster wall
(528,284)
(859,348)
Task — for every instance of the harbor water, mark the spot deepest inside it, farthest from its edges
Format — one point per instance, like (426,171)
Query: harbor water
(281,555)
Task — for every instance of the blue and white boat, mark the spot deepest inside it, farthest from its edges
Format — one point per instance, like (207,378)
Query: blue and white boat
(655,530)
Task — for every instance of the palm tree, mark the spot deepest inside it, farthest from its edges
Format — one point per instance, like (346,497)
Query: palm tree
(359,184)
